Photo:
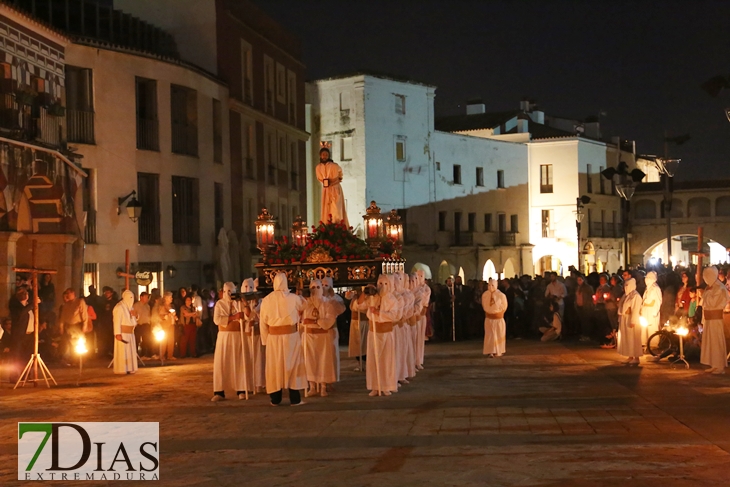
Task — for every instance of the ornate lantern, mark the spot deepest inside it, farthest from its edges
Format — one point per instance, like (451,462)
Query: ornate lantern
(299,232)
(374,231)
(394,227)
(265,229)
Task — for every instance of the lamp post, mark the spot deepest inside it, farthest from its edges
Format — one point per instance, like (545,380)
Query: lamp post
(265,230)
(373,222)
(625,182)
(667,168)
(579,215)
(299,232)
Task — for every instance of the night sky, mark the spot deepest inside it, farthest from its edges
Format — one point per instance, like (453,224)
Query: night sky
(640,63)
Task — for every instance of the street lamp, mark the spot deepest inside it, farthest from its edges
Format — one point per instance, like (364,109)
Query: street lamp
(667,168)
(374,229)
(299,232)
(579,215)
(265,228)
(394,227)
(625,182)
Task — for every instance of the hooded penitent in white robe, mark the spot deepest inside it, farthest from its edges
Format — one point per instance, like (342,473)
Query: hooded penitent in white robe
(628,341)
(278,320)
(358,326)
(125,354)
(382,314)
(414,321)
(494,303)
(228,361)
(409,326)
(333,200)
(714,300)
(337,307)
(650,307)
(317,320)
(425,300)
(399,332)
(254,351)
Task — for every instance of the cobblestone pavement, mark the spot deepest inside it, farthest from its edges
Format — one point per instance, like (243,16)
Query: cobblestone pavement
(543,415)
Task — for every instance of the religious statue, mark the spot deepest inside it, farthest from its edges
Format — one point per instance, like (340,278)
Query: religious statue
(329,173)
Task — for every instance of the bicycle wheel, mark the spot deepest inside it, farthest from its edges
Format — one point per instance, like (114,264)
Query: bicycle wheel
(659,343)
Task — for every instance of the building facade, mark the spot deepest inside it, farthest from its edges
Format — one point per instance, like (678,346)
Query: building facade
(261,64)
(481,194)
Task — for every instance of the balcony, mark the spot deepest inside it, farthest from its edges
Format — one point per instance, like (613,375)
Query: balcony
(247,92)
(184,139)
(32,124)
(462,239)
(548,232)
(269,102)
(80,126)
(506,239)
(149,227)
(148,134)
(218,148)
(595,229)
(271,173)
(248,167)
(294,180)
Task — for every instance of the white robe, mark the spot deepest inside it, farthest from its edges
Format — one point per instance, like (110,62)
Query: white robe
(714,347)
(650,308)
(337,307)
(400,336)
(253,351)
(333,200)
(425,293)
(381,374)
(495,335)
(358,328)
(409,353)
(228,373)
(284,360)
(125,354)
(628,340)
(319,356)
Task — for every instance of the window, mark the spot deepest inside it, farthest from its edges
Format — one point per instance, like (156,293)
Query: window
(471,222)
(87,196)
(601,187)
(283,217)
(589,178)
(218,207)
(487,222)
(546,178)
(269,83)
(480,176)
(294,175)
(91,275)
(500,179)
(148,194)
(271,158)
(280,83)
(438,166)
(217,132)
(400,150)
(513,224)
(185,211)
(442,221)
(400,104)
(345,104)
(457,174)
(282,151)
(184,112)
(547,224)
(292,88)
(147,123)
(79,105)
(248,139)
(346,149)
(247,72)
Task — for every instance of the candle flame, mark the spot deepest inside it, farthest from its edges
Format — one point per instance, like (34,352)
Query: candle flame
(643,322)
(159,334)
(682,331)
(80,346)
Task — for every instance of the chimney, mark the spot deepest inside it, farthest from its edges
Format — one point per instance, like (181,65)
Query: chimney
(475,106)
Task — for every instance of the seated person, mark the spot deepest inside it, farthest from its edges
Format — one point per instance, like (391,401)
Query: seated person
(555,328)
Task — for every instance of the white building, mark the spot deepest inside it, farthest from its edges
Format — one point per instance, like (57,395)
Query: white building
(483,194)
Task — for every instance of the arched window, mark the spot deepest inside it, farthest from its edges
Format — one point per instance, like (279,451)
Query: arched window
(677,208)
(698,207)
(645,210)
(722,206)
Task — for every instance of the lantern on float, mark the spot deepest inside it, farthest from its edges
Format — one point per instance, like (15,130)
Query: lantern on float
(374,229)
(265,229)
(394,227)
(299,232)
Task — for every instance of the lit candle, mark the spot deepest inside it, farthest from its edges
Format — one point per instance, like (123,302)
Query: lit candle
(159,334)
(80,346)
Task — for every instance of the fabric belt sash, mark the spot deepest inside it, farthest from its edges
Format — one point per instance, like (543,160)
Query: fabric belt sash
(383,327)
(495,316)
(424,310)
(315,331)
(309,321)
(127,329)
(282,330)
(232,326)
(400,324)
(412,321)
(712,314)
(361,317)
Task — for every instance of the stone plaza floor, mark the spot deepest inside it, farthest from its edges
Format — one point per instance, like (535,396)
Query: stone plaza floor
(555,414)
